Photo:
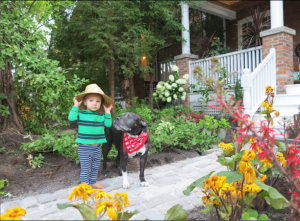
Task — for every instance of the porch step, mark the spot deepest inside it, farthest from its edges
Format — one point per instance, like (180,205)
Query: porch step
(293,89)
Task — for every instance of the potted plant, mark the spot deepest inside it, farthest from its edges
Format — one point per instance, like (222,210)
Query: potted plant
(223,126)
(209,125)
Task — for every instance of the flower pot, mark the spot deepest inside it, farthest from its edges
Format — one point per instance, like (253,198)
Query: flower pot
(207,131)
(222,133)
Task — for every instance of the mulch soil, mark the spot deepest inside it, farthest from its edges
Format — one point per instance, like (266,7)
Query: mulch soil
(59,172)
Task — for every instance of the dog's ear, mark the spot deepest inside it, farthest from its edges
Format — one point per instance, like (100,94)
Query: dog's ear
(143,123)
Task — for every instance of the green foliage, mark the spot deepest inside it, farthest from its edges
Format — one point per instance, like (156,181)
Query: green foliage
(37,161)
(176,132)
(3,182)
(209,123)
(176,213)
(121,32)
(223,123)
(238,91)
(217,48)
(63,144)
(3,109)
(38,81)
(2,150)
(85,210)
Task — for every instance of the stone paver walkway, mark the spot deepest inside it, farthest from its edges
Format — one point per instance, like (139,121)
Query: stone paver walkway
(166,184)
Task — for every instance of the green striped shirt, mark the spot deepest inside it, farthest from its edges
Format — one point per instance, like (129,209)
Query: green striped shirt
(90,125)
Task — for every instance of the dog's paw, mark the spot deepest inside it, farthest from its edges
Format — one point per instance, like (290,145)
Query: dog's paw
(145,184)
(126,184)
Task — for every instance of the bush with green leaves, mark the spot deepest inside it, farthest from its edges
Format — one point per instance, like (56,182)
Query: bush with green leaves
(177,132)
(223,124)
(61,143)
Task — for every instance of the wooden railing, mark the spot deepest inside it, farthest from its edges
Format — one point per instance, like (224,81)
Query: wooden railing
(254,83)
(234,63)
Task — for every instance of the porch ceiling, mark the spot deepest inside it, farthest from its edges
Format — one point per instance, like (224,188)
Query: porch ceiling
(235,5)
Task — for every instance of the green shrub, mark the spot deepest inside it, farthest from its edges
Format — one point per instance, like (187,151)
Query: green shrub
(63,144)
(176,132)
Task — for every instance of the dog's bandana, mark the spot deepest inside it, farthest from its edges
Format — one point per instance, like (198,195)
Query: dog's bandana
(132,144)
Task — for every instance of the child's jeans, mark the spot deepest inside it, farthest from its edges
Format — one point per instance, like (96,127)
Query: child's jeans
(89,156)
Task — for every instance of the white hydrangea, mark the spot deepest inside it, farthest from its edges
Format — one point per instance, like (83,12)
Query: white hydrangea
(167,94)
(183,98)
(169,87)
(169,99)
(161,83)
(171,78)
(181,81)
(185,77)
(158,87)
(160,96)
(181,89)
(175,68)
(175,96)
(184,94)
(163,99)
(174,85)
(154,94)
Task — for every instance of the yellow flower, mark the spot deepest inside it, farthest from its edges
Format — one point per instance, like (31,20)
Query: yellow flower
(217,203)
(252,140)
(13,214)
(281,159)
(269,108)
(266,162)
(221,144)
(277,113)
(265,104)
(248,173)
(206,199)
(227,146)
(227,192)
(83,190)
(269,89)
(252,188)
(250,154)
(108,206)
(99,194)
(262,177)
(244,163)
(216,182)
(121,201)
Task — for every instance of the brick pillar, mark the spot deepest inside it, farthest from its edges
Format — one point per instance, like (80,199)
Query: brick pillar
(182,62)
(282,40)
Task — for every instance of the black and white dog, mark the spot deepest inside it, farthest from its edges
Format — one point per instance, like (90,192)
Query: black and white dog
(128,132)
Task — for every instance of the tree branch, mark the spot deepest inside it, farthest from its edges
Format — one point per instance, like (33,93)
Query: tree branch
(31,5)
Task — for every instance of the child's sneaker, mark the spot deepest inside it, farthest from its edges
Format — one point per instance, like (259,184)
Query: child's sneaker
(97,186)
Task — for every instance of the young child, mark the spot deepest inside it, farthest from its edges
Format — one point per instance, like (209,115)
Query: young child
(91,111)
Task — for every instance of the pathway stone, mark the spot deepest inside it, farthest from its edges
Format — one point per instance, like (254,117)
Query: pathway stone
(166,184)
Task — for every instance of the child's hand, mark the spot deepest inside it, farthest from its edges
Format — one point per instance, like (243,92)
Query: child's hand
(76,103)
(107,109)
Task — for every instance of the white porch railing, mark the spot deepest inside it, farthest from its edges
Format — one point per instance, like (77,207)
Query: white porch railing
(254,83)
(233,62)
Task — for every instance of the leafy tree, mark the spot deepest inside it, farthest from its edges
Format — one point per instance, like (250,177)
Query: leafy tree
(29,80)
(107,39)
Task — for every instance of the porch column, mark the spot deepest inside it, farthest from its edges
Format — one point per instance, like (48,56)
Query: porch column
(182,61)
(280,38)
(276,8)
(185,34)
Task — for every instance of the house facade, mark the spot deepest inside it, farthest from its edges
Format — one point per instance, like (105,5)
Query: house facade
(275,63)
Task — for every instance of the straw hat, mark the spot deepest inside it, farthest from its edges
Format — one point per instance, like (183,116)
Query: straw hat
(95,89)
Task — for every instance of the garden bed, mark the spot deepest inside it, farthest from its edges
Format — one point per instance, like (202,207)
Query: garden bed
(58,172)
